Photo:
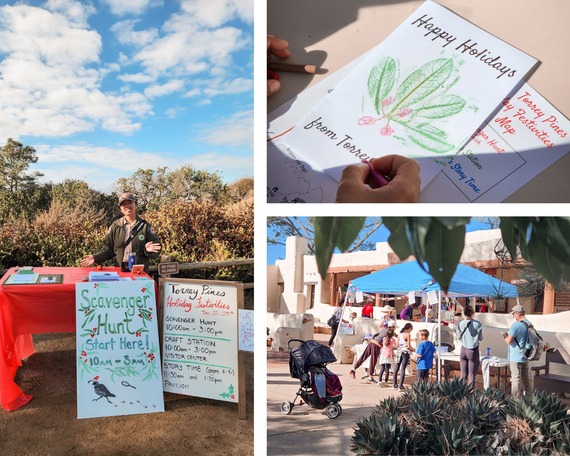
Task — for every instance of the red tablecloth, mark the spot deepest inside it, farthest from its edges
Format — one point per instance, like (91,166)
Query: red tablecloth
(33,309)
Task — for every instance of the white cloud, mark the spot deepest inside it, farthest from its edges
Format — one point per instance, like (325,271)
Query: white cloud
(49,82)
(213,13)
(126,160)
(126,33)
(159,90)
(137,78)
(234,86)
(196,40)
(172,113)
(234,131)
(74,10)
(122,7)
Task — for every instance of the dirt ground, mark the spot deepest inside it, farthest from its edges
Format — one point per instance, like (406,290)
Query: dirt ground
(48,424)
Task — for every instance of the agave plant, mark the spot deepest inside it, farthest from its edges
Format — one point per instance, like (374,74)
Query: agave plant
(450,418)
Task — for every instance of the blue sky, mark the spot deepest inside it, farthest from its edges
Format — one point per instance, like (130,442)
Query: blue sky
(381,235)
(102,88)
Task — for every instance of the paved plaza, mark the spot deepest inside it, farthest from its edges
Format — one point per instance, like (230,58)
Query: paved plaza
(308,431)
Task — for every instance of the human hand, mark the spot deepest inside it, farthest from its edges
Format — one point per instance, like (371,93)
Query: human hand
(276,47)
(87,261)
(152,247)
(404,187)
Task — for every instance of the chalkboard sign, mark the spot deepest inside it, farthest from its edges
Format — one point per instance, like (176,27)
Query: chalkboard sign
(118,351)
(200,338)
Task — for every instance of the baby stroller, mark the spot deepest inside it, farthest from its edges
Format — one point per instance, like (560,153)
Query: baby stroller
(319,388)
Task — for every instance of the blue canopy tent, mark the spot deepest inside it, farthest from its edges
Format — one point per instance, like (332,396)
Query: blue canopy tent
(410,277)
(405,277)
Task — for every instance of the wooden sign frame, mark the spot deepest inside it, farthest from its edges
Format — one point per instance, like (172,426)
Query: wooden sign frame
(201,286)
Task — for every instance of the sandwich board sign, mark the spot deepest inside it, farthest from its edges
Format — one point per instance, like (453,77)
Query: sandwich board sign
(200,339)
(118,351)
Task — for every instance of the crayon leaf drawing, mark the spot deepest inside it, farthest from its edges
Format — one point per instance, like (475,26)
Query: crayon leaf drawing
(417,99)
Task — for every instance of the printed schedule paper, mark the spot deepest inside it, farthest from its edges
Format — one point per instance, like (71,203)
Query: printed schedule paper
(525,137)
(421,93)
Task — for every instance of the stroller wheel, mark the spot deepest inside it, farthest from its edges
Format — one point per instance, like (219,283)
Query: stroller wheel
(333,411)
(286,407)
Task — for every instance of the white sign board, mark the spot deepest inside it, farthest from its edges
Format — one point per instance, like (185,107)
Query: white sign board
(246,332)
(200,338)
(118,356)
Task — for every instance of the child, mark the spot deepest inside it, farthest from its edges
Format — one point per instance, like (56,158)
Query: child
(386,356)
(425,352)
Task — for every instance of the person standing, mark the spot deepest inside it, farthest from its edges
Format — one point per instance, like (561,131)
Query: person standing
(516,339)
(373,350)
(126,235)
(334,323)
(403,355)
(470,334)
(425,352)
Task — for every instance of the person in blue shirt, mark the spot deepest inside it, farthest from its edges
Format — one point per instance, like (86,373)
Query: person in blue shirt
(425,352)
(470,334)
(515,339)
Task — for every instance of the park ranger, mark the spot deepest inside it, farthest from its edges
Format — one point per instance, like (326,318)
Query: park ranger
(128,234)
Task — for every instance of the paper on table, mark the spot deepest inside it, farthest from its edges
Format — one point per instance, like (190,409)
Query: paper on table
(525,137)
(420,93)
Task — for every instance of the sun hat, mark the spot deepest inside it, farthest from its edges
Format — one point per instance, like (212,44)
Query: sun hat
(127,197)
(387,308)
(517,308)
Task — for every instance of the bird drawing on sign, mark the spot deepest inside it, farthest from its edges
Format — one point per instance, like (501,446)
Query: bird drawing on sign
(101,390)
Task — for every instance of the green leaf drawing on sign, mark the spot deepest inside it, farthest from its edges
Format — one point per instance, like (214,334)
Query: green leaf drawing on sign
(422,83)
(381,80)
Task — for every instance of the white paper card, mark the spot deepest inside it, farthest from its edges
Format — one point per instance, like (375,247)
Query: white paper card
(432,297)
(420,93)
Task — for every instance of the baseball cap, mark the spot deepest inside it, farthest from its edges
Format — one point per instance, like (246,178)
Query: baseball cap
(127,197)
(391,323)
(517,308)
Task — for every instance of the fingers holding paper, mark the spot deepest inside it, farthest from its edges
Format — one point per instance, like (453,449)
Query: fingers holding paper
(357,185)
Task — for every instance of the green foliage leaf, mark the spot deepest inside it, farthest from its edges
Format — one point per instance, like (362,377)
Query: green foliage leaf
(544,241)
(331,232)
(398,239)
(422,83)
(443,250)
(381,80)
(440,107)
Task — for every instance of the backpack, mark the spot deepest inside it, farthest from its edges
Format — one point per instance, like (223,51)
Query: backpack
(335,318)
(533,345)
